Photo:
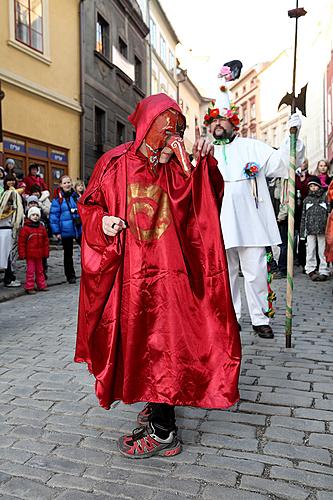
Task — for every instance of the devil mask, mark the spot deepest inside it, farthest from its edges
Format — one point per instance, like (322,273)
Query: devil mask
(160,126)
(166,135)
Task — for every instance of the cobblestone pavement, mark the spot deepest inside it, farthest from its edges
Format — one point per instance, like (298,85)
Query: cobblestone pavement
(55,442)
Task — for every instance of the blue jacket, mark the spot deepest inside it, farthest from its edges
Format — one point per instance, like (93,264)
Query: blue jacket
(64,217)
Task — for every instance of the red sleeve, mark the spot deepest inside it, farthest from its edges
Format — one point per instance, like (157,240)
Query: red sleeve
(43,185)
(216,178)
(22,238)
(91,212)
(46,244)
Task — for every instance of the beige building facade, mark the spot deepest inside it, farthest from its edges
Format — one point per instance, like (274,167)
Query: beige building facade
(40,76)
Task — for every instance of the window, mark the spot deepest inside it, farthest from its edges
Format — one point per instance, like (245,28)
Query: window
(120,133)
(102,36)
(153,37)
(163,49)
(138,72)
(122,47)
(253,110)
(244,109)
(99,127)
(29,23)
(171,61)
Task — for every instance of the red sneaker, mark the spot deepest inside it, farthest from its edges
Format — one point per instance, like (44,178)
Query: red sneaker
(144,443)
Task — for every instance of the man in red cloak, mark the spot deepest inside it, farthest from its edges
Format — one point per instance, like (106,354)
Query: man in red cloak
(156,321)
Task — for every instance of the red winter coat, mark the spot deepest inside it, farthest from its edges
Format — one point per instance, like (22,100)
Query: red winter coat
(32,180)
(156,320)
(33,242)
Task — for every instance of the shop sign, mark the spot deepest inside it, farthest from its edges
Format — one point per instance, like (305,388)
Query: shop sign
(14,145)
(37,150)
(59,156)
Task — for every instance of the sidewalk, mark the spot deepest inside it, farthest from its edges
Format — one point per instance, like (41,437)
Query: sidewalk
(55,272)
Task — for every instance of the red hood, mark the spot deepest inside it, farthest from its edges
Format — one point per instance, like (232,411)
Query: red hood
(146,111)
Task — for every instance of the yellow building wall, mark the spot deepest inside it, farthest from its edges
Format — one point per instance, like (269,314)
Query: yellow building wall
(30,116)
(42,96)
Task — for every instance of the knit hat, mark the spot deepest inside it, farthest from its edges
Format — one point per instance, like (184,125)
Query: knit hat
(33,210)
(313,179)
(9,161)
(32,199)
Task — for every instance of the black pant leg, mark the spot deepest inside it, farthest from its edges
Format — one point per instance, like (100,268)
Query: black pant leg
(163,418)
(282,264)
(67,244)
(9,275)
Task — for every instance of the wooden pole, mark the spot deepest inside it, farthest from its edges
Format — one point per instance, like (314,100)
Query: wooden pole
(291,208)
(291,236)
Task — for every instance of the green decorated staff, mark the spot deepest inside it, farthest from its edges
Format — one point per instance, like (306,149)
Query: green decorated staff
(294,102)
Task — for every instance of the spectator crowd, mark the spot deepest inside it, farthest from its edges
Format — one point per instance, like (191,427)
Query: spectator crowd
(30,215)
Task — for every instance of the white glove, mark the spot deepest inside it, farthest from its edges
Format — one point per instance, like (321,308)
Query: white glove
(295,121)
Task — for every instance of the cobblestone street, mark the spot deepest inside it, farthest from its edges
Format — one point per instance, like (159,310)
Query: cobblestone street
(277,443)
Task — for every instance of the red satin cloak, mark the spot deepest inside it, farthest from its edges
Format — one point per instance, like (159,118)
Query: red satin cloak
(156,320)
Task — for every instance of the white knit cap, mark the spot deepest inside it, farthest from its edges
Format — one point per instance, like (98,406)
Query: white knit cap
(33,210)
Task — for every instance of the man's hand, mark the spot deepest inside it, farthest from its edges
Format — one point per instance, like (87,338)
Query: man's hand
(112,225)
(58,236)
(295,121)
(202,145)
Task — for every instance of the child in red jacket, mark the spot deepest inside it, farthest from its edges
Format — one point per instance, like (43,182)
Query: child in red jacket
(33,246)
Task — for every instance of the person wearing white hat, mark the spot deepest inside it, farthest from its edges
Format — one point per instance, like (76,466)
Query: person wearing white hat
(33,246)
(247,218)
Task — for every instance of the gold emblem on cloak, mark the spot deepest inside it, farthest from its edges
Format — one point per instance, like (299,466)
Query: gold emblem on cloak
(149,214)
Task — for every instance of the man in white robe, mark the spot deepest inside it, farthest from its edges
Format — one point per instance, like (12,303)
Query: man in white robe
(248,221)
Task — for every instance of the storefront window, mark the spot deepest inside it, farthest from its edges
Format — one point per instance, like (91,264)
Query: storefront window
(52,161)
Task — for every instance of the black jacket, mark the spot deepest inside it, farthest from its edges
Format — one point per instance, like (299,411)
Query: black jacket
(314,214)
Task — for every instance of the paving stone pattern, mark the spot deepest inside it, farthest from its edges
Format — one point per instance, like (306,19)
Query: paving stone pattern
(56,442)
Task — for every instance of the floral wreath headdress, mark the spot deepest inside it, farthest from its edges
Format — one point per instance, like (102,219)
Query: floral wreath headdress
(223,108)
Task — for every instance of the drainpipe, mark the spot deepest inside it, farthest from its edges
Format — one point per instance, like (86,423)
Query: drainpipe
(2,95)
(82,93)
(150,55)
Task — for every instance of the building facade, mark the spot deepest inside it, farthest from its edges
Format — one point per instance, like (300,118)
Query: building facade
(40,76)
(329,111)
(114,74)
(193,106)
(162,48)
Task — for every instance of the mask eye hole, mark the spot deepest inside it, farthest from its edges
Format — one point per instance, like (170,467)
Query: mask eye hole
(180,127)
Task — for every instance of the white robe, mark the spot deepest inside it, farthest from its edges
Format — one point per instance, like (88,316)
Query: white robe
(243,224)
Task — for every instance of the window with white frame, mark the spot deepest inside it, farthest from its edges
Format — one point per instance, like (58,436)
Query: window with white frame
(153,33)
(29,23)
(163,49)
